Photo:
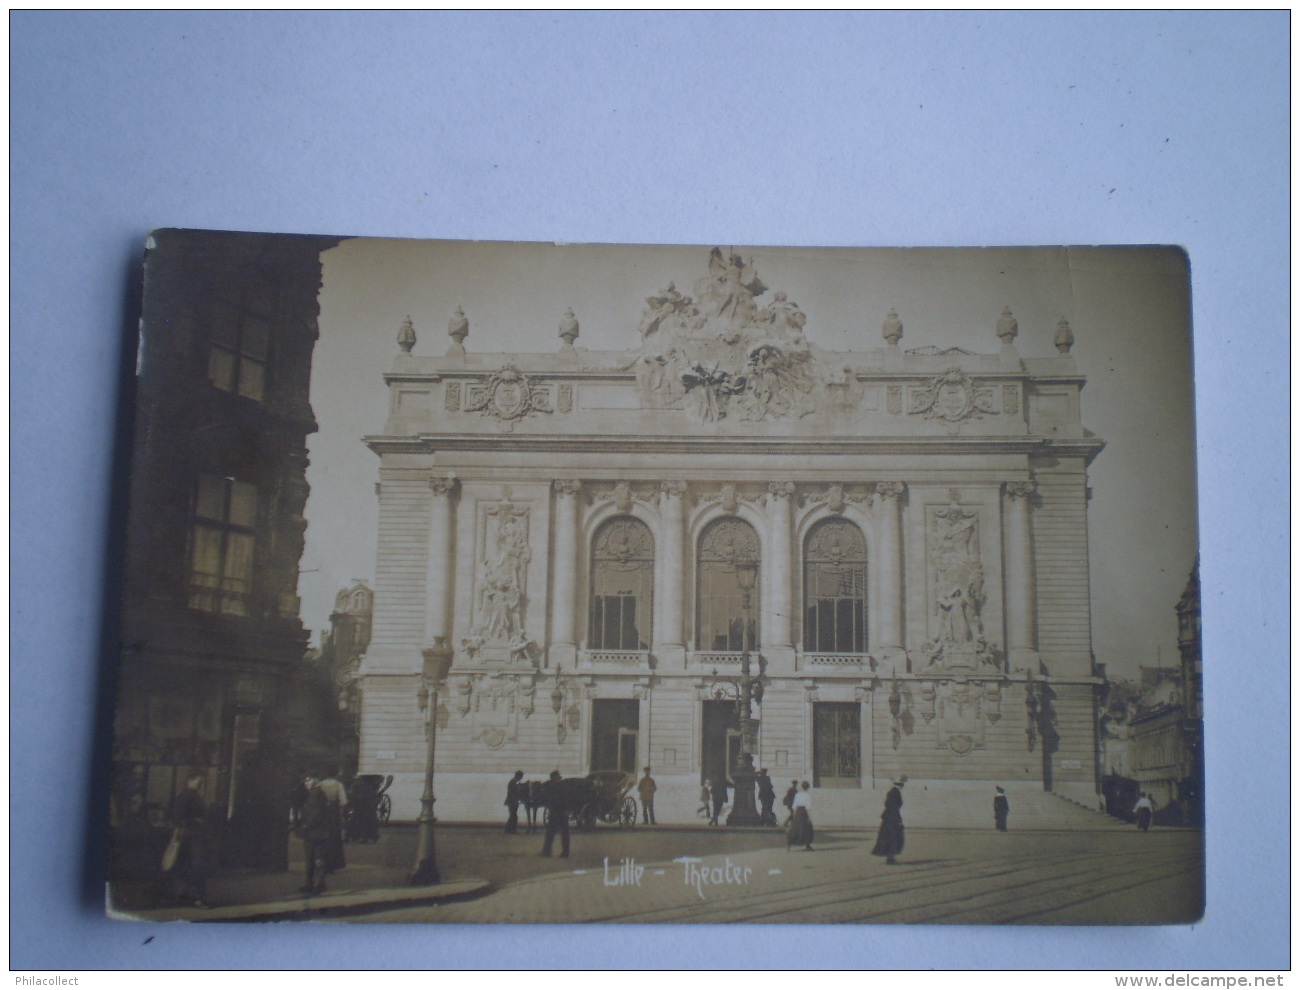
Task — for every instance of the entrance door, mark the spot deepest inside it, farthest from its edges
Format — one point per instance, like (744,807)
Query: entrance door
(720,746)
(614,725)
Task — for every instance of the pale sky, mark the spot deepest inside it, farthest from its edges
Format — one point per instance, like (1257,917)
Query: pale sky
(1128,307)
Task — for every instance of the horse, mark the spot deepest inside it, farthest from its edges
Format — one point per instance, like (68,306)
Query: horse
(530,796)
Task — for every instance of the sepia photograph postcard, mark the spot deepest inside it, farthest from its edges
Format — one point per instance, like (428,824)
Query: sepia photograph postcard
(522,582)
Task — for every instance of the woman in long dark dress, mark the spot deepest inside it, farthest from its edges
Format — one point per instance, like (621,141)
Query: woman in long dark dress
(801,827)
(889,843)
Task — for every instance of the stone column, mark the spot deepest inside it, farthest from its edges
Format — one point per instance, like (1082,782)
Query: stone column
(438,584)
(1022,626)
(777,570)
(889,634)
(670,553)
(564,646)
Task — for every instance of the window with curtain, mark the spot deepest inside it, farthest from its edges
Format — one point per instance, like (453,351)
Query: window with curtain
(224,541)
(835,589)
(720,611)
(622,586)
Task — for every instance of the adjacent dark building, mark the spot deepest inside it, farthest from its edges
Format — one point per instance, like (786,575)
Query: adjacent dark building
(212,639)
(1166,756)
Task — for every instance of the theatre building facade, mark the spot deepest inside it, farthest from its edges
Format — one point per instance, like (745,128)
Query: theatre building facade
(578,528)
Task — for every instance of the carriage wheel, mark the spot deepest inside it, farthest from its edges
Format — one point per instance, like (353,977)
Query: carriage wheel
(627,813)
(586,818)
(385,809)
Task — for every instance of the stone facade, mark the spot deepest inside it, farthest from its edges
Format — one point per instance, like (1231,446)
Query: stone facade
(569,524)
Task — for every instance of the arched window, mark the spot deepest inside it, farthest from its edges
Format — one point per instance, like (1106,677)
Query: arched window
(728,552)
(622,585)
(835,589)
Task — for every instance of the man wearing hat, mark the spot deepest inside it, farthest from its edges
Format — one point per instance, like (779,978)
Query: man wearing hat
(766,798)
(512,802)
(646,788)
(1001,808)
(557,816)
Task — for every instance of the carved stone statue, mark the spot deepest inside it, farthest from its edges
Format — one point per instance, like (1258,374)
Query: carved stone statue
(669,310)
(729,291)
(784,315)
(958,584)
(503,578)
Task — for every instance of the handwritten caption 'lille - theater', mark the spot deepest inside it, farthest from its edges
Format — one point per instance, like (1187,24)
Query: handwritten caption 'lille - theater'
(628,874)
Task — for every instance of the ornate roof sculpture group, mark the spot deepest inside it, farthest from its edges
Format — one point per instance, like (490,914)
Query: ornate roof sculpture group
(719,355)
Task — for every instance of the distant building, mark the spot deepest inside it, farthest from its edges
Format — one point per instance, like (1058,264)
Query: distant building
(338,683)
(1166,758)
(211,638)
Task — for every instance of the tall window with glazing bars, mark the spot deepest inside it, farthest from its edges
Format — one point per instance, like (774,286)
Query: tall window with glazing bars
(721,623)
(622,586)
(835,589)
(223,545)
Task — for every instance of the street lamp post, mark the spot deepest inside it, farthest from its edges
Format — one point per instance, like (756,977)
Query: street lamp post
(437,661)
(743,776)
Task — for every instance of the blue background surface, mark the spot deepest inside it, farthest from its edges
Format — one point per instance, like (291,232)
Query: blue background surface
(872,129)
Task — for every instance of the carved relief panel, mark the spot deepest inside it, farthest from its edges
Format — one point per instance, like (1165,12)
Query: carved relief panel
(494,704)
(956,588)
(501,594)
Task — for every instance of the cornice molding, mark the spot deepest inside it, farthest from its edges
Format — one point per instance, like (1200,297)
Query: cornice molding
(429,443)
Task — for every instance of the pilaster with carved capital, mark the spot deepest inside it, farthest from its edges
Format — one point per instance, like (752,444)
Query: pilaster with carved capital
(890,489)
(1022,624)
(672,568)
(890,634)
(779,569)
(438,579)
(565,587)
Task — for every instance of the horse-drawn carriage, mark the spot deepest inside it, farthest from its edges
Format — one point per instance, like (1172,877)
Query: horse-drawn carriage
(369,806)
(598,797)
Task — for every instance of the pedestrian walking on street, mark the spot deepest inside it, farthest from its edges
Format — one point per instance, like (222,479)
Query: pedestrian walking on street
(766,798)
(1144,810)
(557,816)
(1001,808)
(889,842)
(336,799)
(788,801)
(706,791)
(318,827)
(646,788)
(186,859)
(719,795)
(800,832)
(512,802)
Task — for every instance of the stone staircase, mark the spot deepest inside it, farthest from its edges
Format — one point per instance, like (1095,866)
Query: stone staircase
(958,805)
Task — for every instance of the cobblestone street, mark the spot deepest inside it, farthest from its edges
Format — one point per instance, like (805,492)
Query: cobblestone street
(945,876)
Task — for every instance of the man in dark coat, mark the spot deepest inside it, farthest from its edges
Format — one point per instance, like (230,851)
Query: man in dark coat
(557,815)
(513,795)
(190,823)
(719,794)
(788,801)
(646,789)
(318,827)
(766,799)
(889,842)
(1001,808)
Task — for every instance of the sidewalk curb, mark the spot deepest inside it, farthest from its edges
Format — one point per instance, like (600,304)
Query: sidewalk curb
(322,906)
